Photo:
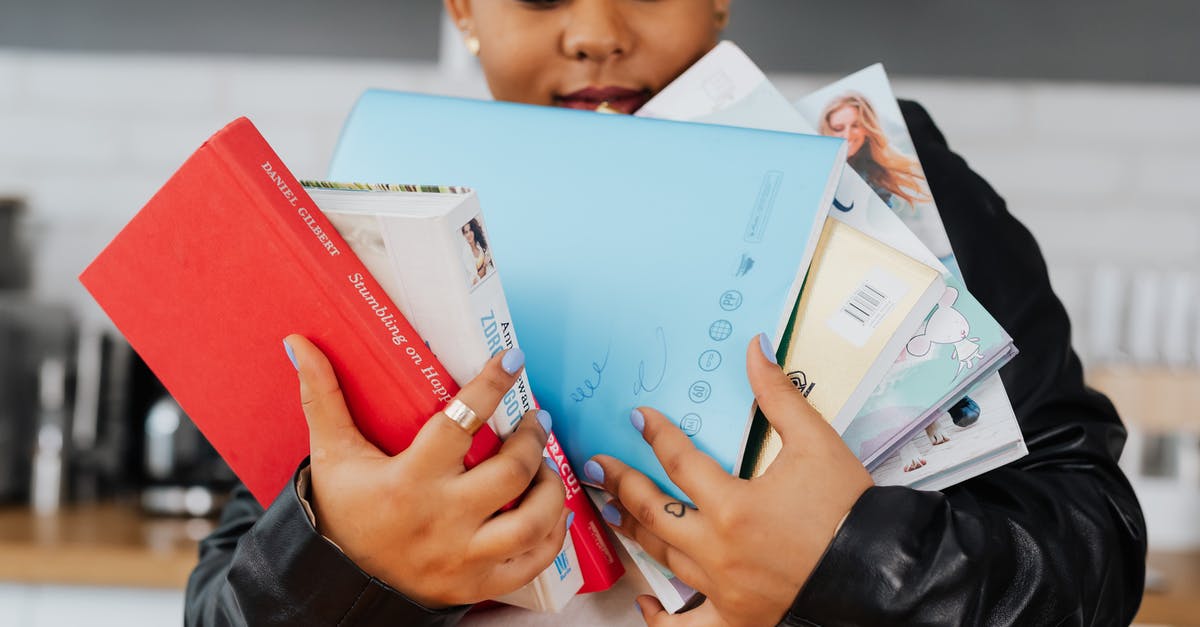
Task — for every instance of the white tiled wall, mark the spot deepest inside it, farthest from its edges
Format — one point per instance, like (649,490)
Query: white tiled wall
(67,606)
(1100,173)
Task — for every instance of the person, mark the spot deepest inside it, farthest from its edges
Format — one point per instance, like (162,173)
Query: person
(1056,537)
(478,258)
(896,178)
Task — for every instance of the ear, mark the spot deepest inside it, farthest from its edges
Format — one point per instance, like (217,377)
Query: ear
(948,297)
(460,13)
(720,11)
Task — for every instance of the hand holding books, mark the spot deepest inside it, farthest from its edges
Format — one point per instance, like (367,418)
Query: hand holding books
(729,546)
(452,549)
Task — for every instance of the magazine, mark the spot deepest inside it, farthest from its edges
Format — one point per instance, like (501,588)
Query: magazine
(959,334)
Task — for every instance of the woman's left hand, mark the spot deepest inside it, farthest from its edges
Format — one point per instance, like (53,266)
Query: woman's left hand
(748,545)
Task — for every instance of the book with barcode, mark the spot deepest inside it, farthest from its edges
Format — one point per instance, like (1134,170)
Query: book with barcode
(429,248)
(638,265)
(975,429)
(871,282)
(229,257)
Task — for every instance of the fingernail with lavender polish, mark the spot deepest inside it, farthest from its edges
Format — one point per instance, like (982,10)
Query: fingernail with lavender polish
(637,419)
(550,465)
(543,418)
(291,355)
(767,349)
(512,360)
(611,514)
(593,471)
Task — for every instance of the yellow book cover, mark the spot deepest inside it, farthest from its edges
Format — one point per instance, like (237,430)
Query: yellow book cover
(861,302)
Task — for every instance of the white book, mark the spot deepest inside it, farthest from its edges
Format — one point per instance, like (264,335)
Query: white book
(428,248)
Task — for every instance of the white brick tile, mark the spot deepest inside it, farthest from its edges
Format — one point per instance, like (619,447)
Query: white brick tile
(1112,113)
(131,84)
(964,109)
(12,80)
(1045,167)
(1169,173)
(15,179)
(1041,166)
(62,141)
(1135,235)
(168,142)
(312,87)
(58,200)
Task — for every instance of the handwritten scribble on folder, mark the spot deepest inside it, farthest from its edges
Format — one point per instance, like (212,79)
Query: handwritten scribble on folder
(639,256)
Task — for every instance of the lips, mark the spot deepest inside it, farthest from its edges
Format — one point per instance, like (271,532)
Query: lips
(620,98)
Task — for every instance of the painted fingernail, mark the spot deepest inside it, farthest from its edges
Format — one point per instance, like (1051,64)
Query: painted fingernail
(550,465)
(570,519)
(638,420)
(512,360)
(543,418)
(611,514)
(291,355)
(593,471)
(767,349)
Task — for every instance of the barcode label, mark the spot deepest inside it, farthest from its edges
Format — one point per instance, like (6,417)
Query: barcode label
(867,306)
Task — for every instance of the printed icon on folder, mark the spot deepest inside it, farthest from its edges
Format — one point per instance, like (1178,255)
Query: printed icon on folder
(700,391)
(690,424)
(710,360)
(731,300)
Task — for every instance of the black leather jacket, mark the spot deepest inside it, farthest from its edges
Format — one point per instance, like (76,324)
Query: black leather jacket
(1056,538)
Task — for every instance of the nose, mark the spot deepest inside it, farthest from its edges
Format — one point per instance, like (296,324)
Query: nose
(595,31)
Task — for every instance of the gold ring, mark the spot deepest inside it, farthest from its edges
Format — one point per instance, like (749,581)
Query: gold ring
(463,416)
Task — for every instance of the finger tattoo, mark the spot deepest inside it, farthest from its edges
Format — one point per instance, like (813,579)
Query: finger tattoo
(677,508)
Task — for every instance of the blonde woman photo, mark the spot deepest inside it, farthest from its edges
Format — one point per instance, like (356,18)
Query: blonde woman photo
(894,177)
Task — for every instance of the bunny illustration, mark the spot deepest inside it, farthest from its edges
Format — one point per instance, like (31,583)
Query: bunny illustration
(947,326)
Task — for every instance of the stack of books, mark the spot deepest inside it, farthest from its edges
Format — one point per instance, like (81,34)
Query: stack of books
(639,257)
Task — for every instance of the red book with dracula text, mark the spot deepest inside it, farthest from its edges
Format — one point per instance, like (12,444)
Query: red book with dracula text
(227,259)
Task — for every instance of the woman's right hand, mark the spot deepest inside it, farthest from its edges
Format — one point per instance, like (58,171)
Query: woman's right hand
(419,521)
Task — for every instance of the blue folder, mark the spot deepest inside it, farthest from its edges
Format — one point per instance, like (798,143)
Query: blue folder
(639,257)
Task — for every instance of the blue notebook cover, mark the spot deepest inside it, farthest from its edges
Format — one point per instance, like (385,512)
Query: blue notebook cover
(639,256)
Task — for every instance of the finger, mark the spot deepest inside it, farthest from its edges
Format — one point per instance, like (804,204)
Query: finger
(675,560)
(331,429)
(697,474)
(506,475)
(784,406)
(442,443)
(520,570)
(511,533)
(666,517)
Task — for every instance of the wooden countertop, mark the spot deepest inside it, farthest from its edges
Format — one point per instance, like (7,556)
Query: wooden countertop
(101,545)
(116,545)
(1177,601)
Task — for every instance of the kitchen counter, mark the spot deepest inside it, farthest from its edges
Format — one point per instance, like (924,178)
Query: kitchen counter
(114,545)
(98,545)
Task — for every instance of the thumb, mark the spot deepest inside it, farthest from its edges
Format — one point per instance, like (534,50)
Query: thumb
(331,430)
(784,406)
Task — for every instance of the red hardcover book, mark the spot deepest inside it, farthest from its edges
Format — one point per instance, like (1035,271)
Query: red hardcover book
(598,559)
(227,259)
